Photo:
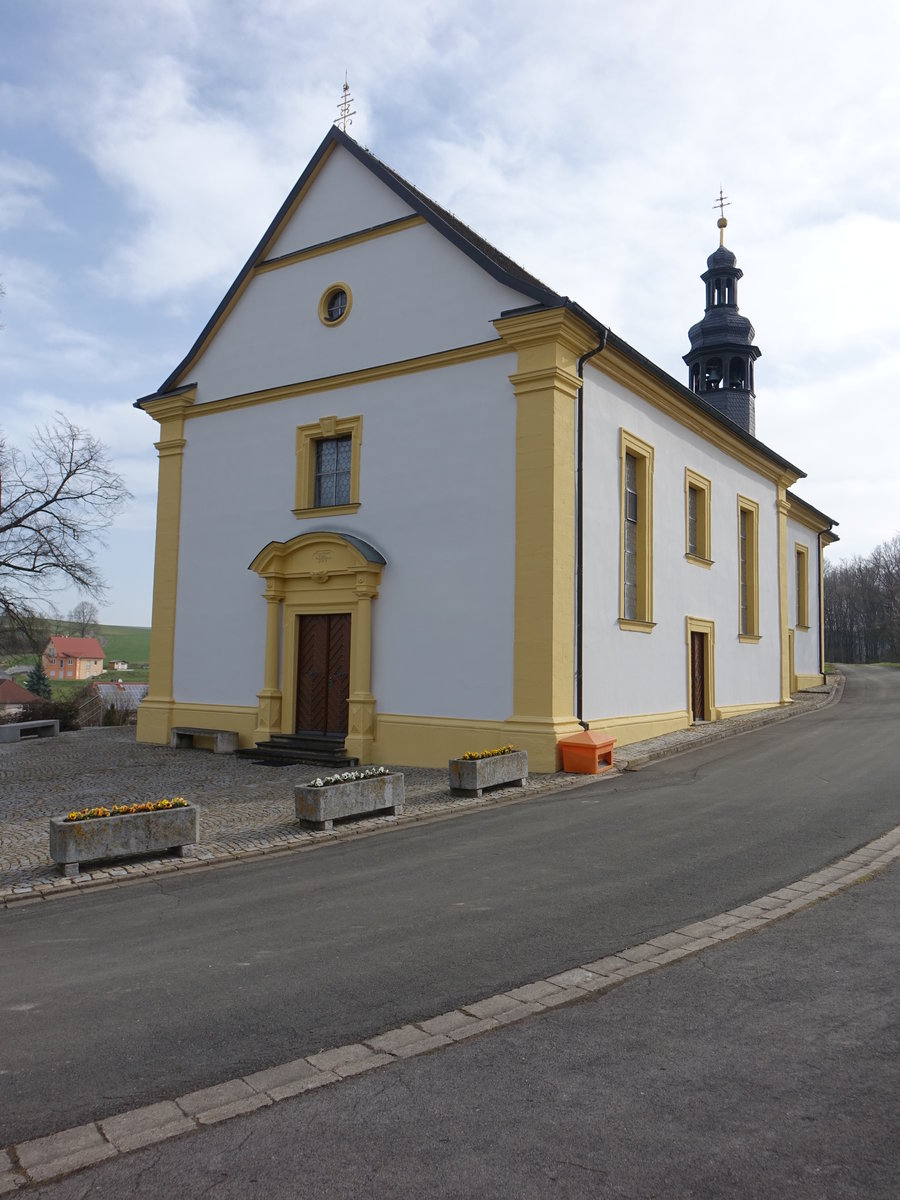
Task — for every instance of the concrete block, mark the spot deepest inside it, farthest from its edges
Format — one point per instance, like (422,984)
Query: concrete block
(407,1041)
(452,1023)
(494,1006)
(577,977)
(59,1153)
(540,992)
(212,1100)
(145,1126)
(276,1079)
(341,1057)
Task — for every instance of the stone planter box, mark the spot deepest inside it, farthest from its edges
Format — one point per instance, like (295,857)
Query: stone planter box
(319,807)
(76,842)
(473,775)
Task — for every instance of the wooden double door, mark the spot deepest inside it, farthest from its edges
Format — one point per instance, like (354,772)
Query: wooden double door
(698,676)
(323,674)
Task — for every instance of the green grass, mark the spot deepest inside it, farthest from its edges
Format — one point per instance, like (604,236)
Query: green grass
(131,643)
(65,689)
(128,643)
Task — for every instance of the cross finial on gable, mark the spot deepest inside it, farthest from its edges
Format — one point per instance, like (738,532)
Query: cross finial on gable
(346,113)
(721,204)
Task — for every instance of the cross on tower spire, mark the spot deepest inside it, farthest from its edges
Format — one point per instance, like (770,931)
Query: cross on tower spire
(346,112)
(721,204)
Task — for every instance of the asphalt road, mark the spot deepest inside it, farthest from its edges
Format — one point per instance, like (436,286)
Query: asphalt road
(117,999)
(764,1069)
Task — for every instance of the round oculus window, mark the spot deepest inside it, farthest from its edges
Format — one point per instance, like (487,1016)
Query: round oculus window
(335,304)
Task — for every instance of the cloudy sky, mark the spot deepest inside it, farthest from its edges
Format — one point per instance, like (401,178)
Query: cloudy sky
(144,147)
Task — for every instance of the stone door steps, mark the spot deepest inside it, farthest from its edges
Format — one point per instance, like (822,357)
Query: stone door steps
(283,749)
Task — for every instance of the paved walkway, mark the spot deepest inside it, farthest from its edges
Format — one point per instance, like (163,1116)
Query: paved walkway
(246,810)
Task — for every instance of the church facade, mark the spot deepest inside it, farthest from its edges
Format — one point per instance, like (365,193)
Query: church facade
(413,502)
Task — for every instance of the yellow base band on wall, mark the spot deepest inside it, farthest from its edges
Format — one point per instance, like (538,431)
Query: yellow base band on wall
(157,717)
(641,727)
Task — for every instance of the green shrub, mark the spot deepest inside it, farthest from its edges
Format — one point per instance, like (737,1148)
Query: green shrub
(64,711)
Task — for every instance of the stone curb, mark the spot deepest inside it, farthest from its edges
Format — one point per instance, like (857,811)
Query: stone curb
(719,731)
(203,859)
(59,1154)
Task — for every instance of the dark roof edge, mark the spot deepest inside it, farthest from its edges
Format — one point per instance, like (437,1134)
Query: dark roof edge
(251,261)
(686,394)
(646,364)
(416,200)
(163,391)
(816,512)
(454,230)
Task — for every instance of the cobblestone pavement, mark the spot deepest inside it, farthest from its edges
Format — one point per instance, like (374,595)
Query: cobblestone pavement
(246,809)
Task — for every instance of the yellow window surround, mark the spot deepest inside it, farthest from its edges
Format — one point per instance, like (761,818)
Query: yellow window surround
(748,569)
(636,602)
(332,318)
(307,437)
(697,521)
(801,557)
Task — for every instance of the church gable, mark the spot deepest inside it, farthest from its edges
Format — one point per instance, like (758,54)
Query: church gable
(348,201)
(353,278)
(342,199)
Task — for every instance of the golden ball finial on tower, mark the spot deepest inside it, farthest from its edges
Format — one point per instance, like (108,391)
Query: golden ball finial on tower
(721,204)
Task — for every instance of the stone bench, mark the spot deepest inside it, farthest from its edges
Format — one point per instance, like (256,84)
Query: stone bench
(225,741)
(19,729)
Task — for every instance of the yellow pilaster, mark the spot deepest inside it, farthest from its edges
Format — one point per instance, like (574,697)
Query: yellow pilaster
(549,344)
(269,710)
(783,506)
(361,714)
(155,713)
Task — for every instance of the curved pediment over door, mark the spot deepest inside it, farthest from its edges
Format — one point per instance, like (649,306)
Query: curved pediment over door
(323,572)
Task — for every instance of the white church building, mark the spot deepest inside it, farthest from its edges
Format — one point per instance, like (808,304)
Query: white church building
(413,502)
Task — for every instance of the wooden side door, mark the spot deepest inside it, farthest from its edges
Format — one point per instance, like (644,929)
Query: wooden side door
(323,674)
(698,676)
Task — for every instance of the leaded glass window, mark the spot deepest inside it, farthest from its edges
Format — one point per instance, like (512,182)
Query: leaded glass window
(745,595)
(631,537)
(333,462)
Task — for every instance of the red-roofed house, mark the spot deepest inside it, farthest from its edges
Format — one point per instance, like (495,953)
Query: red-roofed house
(73,658)
(13,698)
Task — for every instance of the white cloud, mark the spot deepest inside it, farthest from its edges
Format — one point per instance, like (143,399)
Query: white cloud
(21,202)
(587,139)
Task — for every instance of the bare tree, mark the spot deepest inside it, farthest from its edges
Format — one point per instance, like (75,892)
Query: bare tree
(862,607)
(84,617)
(56,499)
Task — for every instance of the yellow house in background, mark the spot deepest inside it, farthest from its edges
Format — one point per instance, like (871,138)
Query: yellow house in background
(73,658)
(412,502)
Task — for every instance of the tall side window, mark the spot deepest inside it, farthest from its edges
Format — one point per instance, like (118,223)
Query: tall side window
(630,534)
(697,492)
(801,555)
(328,459)
(636,557)
(748,569)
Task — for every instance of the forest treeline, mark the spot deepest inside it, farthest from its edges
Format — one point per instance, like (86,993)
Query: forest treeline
(862,607)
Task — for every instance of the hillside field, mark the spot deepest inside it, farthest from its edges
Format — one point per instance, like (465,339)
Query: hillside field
(130,643)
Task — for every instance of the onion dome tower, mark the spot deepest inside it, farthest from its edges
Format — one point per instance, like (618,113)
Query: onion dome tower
(720,361)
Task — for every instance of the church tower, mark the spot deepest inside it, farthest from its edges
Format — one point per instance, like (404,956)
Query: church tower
(720,361)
